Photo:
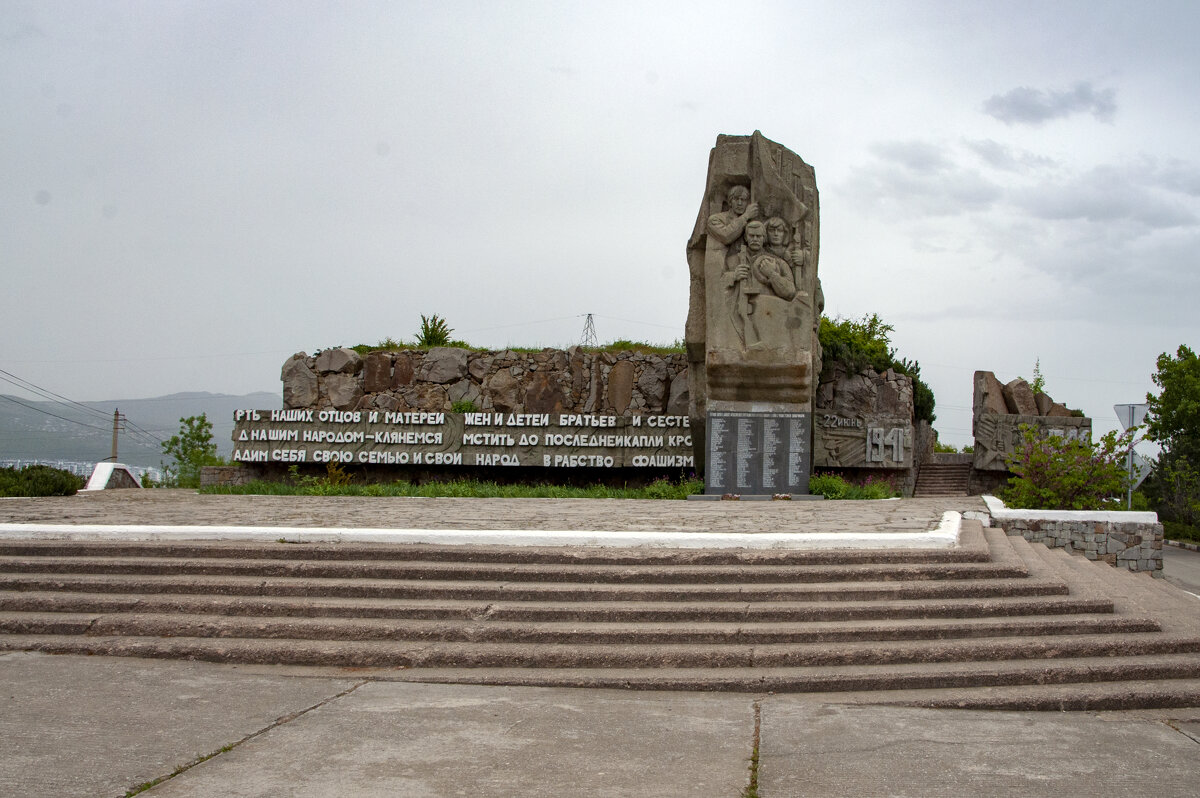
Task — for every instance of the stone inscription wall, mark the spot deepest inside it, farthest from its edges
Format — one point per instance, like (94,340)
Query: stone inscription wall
(758,453)
(423,438)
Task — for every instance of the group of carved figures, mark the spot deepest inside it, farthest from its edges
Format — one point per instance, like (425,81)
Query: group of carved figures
(764,272)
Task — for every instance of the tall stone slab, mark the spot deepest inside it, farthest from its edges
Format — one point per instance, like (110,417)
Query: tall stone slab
(755,300)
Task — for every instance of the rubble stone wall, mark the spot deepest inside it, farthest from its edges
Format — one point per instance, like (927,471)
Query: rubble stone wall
(1131,540)
(549,381)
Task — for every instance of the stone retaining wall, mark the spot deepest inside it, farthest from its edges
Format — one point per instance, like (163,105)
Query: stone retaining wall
(1132,540)
(549,381)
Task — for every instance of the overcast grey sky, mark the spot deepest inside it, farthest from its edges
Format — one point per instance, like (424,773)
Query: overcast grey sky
(193,191)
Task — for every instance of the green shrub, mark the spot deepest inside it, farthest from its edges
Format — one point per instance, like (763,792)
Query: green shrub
(434,332)
(1052,472)
(1176,530)
(463,406)
(864,343)
(191,450)
(38,480)
(834,486)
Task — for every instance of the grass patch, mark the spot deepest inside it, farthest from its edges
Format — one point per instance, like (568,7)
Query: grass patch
(464,488)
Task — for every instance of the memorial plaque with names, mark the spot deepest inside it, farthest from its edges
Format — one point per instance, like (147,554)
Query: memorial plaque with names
(758,453)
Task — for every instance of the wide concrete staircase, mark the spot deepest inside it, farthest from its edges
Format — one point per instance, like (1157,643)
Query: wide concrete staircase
(942,479)
(996,622)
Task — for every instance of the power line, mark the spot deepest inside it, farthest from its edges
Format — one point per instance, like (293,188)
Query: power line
(25,384)
(45,412)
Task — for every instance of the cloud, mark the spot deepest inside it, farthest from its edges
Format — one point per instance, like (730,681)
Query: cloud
(1026,106)
(1106,194)
(999,156)
(913,179)
(921,157)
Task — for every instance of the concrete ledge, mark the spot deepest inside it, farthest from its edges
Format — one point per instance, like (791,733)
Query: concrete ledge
(1000,510)
(944,536)
(1131,540)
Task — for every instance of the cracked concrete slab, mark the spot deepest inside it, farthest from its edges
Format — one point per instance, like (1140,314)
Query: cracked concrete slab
(831,751)
(393,739)
(98,726)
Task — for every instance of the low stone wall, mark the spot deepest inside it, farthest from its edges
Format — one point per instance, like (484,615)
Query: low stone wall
(1131,540)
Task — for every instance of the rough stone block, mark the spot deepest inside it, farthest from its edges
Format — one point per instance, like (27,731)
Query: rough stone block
(620,386)
(377,372)
(444,364)
(339,361)
(402,370)
(989,395)
(543,394)
(299,382)
(1018,396)
(343,390)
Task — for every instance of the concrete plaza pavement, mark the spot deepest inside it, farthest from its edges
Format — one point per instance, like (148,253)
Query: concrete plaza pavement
(101,726)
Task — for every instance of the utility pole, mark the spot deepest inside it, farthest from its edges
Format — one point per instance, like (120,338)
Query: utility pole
(118,421)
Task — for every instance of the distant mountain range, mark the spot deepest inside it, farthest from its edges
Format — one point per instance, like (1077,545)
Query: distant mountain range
(57,431)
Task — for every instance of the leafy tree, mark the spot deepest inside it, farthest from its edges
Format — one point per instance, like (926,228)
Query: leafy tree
(1174,417)
(864,343)
(191,449)
(1174,423)
(1052,472)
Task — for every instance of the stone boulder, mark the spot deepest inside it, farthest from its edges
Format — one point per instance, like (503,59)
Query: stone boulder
(620,386)
(427,396)
(444,364)
(339,361)
(989,394)
(677,404)
(652,384)
(343,390)
(1019,398)
(377,372)
(299,382)
(543,393)
(402,370)
(465,391)
(504,391)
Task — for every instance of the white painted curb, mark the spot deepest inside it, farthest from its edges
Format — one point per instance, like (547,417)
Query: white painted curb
(999,510)
(945,536)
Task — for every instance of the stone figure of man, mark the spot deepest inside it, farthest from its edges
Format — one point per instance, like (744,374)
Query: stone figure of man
(760,286)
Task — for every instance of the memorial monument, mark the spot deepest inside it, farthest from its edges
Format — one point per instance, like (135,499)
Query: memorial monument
(753,314)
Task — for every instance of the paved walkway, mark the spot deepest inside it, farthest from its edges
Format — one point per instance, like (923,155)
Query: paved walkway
(180,507)
(97,726)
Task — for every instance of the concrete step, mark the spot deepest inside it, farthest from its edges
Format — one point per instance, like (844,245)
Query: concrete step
(599,611)
(972,548)
(515,572)
(530,591)
(1073,675)
(942,480)
(718,673)
(487,630)
(433,654)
